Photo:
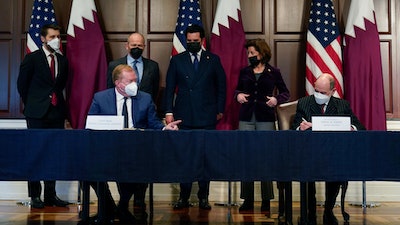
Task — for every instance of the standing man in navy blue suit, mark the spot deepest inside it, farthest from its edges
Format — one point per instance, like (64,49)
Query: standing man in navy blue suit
(197,78)
(41,81)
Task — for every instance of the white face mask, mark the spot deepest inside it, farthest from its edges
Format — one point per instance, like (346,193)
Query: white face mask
(321,98)
(54,44)
(131,89)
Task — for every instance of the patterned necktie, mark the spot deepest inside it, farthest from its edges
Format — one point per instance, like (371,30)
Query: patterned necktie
(136,71)
(125,113)
(195,62)
(322,106)
(53,76)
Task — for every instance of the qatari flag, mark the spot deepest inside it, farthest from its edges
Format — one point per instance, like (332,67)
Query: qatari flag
(227,41)
(363,66)
(87,60)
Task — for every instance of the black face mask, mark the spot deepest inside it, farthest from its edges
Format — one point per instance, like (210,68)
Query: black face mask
(254,61)
(136,52)
(193,47)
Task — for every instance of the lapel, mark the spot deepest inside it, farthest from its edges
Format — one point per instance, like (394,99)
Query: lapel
(45,66)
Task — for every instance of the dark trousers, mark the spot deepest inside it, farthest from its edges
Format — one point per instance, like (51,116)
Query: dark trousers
(331,192)
(126,190)
(50,121)
(106,203)
(247,190)
(311,200)
(35,189)
(203,192)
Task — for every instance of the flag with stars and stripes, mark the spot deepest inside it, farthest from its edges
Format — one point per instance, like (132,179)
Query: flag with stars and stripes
(42,14)
(87,60)
(323,50)
(189,14)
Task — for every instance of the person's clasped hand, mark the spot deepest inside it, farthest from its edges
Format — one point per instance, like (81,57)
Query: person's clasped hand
(173,125)
(242,98)
(272,101)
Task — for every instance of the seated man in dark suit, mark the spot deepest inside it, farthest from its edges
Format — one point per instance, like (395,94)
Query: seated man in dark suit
(140,113)
(323,102)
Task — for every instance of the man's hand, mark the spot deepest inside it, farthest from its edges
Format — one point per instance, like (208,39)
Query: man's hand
(305,125)
(219,116)
(173,125)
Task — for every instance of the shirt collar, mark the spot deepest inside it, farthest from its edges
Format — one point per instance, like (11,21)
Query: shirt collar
(47,52)
(130,59)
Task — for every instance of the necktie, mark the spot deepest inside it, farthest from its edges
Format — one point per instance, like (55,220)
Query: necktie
(136,71)
(125,113)
(52,66)
(53,76)
(322,108)
(195,62)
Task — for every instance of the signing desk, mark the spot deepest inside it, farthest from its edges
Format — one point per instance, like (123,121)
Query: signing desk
(186,156)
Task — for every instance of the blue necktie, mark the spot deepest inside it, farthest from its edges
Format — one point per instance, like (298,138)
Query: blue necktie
(136,71)
(195,62)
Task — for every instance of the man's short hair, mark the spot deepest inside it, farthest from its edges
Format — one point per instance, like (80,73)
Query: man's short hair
(195,29)
(46,27)
(116,74)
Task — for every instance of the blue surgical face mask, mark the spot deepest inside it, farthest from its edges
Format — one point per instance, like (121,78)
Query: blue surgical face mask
(321,98)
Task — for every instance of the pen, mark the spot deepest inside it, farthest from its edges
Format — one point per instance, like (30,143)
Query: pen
(304,119)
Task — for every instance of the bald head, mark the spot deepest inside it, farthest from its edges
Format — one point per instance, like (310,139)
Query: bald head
(325,84)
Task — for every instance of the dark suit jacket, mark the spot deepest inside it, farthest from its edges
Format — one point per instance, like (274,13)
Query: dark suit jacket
(266,84)
(35,84)
(200,95)
(307,107)
(150,80)
(144,114)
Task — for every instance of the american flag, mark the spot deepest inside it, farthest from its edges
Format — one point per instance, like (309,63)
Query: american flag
(42,13)
(324,53)
(189,14)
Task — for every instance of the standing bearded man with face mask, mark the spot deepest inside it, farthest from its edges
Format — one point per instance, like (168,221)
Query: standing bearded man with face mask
(41,81)
(323,102)
(146,69)
(199,80)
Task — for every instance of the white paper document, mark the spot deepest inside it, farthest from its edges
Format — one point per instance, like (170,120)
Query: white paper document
(95,122)
(331,123)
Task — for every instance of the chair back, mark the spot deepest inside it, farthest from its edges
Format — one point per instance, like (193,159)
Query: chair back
(286,113)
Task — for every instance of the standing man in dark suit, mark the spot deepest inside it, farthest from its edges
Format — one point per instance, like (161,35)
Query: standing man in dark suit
(41,81)
(148,78)
(147,69)
(198,79)
(323,102)
(141,114)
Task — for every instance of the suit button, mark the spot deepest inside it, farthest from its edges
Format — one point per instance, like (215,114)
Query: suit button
(50,96)
(187,77)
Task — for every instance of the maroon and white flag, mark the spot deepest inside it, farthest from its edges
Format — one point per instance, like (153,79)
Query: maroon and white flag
(363,66)
(87,59)
(227,41)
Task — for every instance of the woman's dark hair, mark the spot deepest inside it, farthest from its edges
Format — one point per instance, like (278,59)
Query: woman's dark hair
(262,47)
